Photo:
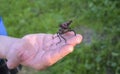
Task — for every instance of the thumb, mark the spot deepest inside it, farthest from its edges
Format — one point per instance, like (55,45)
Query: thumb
(12,59)
(12,62)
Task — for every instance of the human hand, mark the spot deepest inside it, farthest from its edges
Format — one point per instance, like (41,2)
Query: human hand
(41,50)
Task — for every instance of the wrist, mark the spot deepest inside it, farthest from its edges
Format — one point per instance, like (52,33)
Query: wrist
(5,44)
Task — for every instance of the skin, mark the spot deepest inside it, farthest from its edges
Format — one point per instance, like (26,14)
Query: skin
(37,51)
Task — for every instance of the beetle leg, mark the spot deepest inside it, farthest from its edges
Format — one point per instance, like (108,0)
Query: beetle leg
(73,31)
(63,38)
(58,35)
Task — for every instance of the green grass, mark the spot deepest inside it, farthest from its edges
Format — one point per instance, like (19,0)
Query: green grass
(101,17)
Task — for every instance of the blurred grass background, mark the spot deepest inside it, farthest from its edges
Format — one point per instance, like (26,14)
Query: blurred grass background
(97,20)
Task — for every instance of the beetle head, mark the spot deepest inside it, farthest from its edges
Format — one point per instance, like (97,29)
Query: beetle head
(66,24)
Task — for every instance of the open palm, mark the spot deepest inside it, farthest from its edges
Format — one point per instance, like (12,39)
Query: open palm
(41,50)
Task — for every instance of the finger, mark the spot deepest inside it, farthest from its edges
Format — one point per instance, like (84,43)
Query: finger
(69,34)
(60,53)
(75,40)
(67,48)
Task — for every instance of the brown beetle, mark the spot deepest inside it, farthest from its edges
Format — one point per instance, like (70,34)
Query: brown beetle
(64,28)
